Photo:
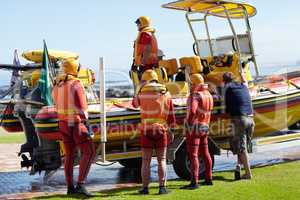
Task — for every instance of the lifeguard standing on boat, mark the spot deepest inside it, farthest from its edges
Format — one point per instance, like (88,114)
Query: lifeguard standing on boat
(145,46)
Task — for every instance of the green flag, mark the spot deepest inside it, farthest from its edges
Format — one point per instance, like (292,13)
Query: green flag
(45,81)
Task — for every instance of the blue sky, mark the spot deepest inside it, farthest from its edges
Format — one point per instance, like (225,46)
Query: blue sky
(96,28)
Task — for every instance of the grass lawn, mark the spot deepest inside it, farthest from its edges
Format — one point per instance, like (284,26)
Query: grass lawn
(280,181)
(11,138)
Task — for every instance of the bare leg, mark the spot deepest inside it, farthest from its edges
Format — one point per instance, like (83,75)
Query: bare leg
(145,172)
(244,159)
(162,165)
(239,161)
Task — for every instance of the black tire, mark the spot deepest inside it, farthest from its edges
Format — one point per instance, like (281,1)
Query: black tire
(181,164)
(132,163)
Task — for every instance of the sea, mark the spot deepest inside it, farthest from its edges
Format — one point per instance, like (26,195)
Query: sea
(120,78)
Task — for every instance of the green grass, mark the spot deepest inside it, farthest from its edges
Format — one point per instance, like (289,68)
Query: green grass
(11,138)
(280,181)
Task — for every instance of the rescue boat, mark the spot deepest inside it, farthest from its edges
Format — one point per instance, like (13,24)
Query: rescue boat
(276,99)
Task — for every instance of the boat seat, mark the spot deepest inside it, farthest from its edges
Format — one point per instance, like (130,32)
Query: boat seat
(179,88)
(170,65)
(86,76)
(215,78)
(193,64)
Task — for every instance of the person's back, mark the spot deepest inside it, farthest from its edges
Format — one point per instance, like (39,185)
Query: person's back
(238,100)
(157,109)
(155,102)
(69,98)
(201,113)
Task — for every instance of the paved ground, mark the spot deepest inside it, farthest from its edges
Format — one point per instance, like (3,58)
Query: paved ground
(17,184)
(9,160)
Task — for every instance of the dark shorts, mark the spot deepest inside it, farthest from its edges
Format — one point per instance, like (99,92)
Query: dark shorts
(243,128)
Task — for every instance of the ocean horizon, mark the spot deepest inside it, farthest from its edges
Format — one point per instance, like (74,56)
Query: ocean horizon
(121,77)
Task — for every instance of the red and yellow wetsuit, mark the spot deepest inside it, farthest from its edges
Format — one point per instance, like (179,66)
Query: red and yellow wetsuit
(145,49)
(199,107)
(70,103)
(157,115)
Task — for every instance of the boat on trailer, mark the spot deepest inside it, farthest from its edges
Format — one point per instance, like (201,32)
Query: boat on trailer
(276,98)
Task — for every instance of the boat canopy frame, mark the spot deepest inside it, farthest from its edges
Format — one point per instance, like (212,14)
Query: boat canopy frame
(229,14)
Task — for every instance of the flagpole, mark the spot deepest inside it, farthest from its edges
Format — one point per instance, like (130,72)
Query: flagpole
(102,109)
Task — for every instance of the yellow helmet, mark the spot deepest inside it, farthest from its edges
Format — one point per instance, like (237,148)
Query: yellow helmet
(35,77)
(71,66)
(149,75)
(197,79)
(143,21)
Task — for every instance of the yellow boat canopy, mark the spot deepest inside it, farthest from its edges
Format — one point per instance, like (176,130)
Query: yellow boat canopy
(37,55)
(214,7)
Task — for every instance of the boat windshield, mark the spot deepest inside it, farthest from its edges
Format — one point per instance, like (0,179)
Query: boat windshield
(224,45)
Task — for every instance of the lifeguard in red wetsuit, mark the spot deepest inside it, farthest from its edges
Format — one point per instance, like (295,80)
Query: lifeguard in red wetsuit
(199,107)
(145,46)
(70,102)
(157,118)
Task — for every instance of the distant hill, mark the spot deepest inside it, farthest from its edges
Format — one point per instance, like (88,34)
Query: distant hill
(113,89)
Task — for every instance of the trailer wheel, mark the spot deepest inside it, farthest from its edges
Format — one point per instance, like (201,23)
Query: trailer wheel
(181,164)
(132,163)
